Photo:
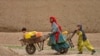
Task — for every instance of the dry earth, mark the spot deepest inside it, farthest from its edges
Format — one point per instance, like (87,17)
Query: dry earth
(10,46)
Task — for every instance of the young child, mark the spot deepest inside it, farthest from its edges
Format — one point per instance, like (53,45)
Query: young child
(29,35)
(66,34)
(32,34)
(82,40)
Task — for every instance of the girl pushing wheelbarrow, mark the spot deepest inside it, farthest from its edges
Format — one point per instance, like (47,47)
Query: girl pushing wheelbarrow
(57,41)
(82,40)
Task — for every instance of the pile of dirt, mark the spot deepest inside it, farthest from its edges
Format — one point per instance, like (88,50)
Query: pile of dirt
(7,52)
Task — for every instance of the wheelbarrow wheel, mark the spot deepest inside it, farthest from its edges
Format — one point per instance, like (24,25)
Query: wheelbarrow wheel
(30,49)
(64,50)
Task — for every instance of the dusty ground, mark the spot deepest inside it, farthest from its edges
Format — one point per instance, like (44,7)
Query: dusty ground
(10,45)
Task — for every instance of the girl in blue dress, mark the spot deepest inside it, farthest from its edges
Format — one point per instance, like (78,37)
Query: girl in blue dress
(57,41)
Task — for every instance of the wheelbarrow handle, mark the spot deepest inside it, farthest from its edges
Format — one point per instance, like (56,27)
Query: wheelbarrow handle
(71,43)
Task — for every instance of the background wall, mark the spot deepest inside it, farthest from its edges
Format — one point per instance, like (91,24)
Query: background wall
(34,14)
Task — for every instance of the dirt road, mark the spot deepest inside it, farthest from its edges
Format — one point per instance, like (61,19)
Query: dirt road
(12,45)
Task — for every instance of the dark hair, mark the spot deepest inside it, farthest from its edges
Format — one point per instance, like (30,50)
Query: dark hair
(24,29)
(80,27)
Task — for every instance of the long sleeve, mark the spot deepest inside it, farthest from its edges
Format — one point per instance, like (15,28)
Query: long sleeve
(54,28)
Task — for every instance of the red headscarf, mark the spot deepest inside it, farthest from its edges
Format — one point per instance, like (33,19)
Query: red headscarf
(57,33)
(54,20)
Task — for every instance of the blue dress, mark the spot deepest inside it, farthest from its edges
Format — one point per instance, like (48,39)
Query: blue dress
(61,40)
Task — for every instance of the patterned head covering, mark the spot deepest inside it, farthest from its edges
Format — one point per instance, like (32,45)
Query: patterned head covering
(54,20)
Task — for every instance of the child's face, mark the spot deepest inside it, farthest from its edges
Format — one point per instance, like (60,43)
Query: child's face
(23,31)
(78,28)
(51,20)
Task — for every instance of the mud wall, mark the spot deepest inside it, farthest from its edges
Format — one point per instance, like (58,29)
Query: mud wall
(34,14)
